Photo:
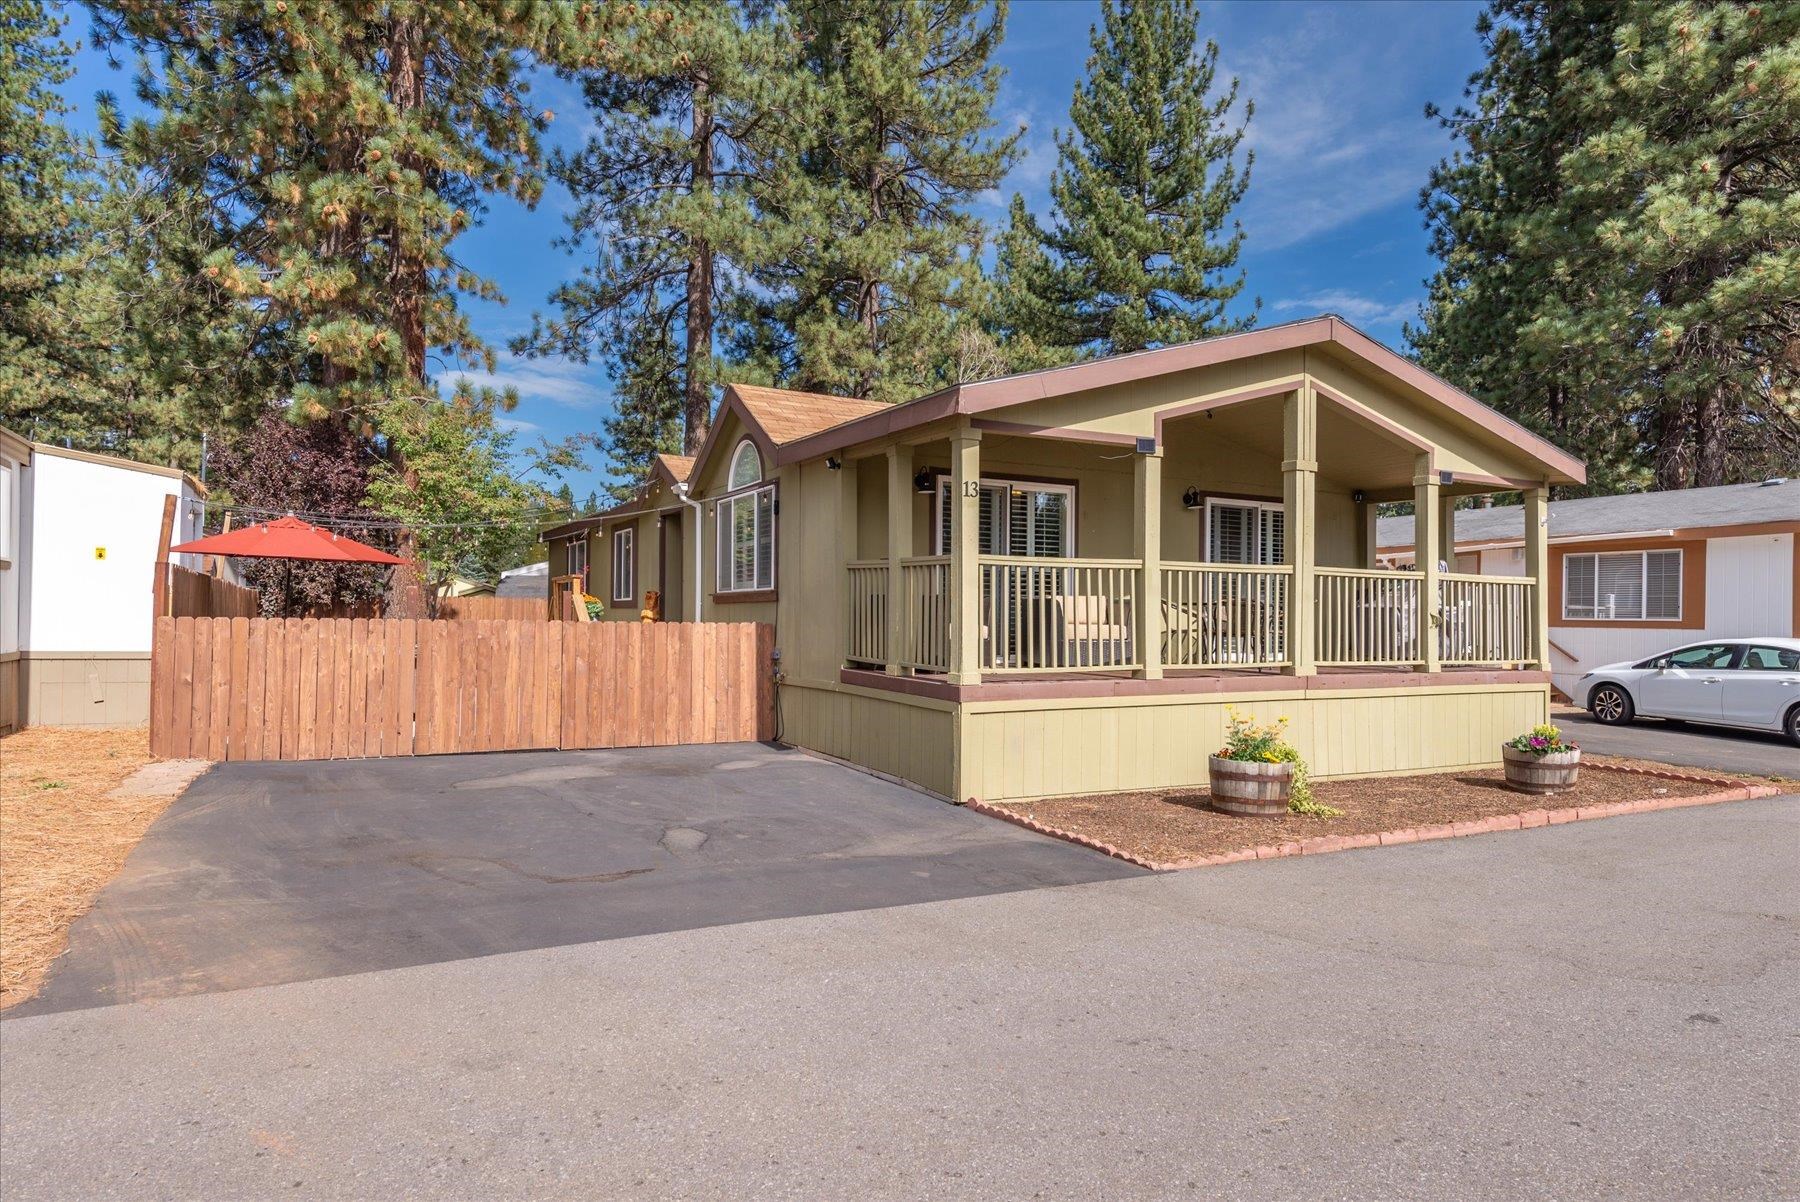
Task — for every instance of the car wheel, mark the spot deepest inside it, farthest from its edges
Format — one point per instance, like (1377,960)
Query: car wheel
(1793,726)
(1610,704)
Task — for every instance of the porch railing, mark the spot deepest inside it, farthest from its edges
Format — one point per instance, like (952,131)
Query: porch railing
(868,611)
(1485,619)
(1058,615)
(1064,615)
(1225,616)
(925,613)
(1366,617)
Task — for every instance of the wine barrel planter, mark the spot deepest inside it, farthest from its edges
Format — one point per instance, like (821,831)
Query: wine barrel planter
(1250,789)
(1529,773)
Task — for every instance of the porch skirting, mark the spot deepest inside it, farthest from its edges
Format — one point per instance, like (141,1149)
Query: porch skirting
(995,747)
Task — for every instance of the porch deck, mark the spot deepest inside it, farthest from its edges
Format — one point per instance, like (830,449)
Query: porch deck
(1001,686)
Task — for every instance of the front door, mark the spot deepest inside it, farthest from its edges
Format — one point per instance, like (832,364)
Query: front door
(672,560)
(1027,519)
(1690,685)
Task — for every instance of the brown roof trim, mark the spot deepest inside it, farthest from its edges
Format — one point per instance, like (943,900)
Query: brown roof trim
(1060,433)
(982,396)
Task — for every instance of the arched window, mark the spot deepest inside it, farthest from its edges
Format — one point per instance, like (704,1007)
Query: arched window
(746,466)
(746,538)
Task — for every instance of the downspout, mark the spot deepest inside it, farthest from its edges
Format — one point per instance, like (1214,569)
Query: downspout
(681,494)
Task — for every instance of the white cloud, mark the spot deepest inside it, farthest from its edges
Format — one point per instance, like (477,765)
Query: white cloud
(1363,309)
(1339,130)
(517,425)
(557,381)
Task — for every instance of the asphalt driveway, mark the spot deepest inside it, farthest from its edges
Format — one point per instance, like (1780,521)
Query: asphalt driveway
(1756,752)
(264,873)
(1597,1010)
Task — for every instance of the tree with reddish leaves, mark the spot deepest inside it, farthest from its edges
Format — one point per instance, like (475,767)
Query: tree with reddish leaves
(320,471)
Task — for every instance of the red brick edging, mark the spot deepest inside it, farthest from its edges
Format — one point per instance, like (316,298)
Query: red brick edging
(1413,834)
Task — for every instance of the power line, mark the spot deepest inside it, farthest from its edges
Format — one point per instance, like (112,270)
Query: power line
(349,522)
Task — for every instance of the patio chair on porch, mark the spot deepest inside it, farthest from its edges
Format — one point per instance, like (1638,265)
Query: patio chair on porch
(1093,635)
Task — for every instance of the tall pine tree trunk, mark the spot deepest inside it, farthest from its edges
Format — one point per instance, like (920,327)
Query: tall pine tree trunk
(697,394)
(407,283)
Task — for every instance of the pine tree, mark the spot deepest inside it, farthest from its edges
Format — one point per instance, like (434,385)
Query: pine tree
(679,100)
(43,193)
(872,263)
(1621,242)
(1141,246)
(110,340)
(648,402)
(1477,322)
(342,150)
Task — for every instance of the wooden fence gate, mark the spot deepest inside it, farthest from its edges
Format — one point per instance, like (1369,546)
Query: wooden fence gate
(336,688)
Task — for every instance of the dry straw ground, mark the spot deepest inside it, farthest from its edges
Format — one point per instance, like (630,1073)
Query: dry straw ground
(62,836)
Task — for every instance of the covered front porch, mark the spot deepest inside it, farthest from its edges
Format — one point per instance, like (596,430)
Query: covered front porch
(1235,541)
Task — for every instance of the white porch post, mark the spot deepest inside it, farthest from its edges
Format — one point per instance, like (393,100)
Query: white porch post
(1371,533)
(1447,531)
(1147,546)
(1426,543)
(1299,496)
(1537,566)
(899,546)
(965,566)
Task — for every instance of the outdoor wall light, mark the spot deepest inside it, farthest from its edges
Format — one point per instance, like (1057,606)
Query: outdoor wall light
(1359,496)
(833,463)
(922,481)
(1191,498)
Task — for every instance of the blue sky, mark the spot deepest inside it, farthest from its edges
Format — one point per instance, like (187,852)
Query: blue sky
(1341,141)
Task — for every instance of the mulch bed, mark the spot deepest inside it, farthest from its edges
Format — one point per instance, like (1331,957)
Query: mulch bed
(1170,826)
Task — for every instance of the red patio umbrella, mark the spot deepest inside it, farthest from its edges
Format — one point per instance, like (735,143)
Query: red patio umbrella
(287,538)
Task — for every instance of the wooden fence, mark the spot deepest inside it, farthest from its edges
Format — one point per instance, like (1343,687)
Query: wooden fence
(324,688)
(197,595)
(494,608)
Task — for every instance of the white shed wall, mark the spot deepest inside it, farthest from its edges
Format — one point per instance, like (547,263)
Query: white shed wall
(76,602)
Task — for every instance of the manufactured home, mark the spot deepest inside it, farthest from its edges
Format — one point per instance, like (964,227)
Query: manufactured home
(1061,581)
(1639,573)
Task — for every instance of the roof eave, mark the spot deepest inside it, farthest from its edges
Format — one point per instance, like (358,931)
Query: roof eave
(986,395)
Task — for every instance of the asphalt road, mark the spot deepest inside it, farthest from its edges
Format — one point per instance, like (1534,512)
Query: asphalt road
(1597,1010)
(265,873)
(1696,746)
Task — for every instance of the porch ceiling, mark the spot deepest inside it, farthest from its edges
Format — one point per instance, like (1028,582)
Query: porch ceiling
(1350,452)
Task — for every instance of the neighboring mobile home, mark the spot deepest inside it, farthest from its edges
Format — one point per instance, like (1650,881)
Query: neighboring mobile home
(1639,573)
(1057,582)
(78,540)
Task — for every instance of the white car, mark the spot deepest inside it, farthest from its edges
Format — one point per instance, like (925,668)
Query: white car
(1752,683)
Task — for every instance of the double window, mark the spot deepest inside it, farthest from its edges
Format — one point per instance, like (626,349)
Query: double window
(1246,532)
(1026,518)
(747,526)
(1622,586)
(624,564)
